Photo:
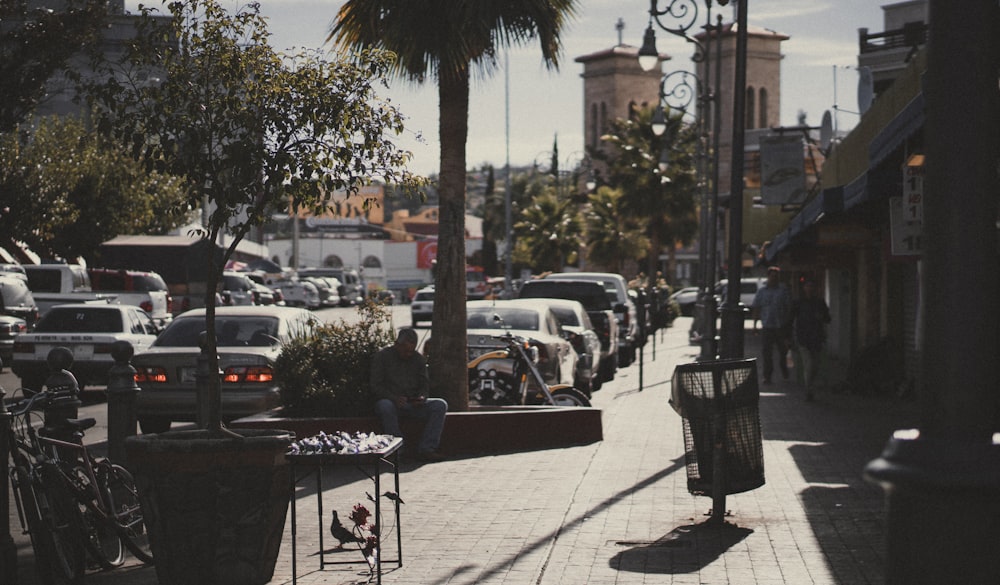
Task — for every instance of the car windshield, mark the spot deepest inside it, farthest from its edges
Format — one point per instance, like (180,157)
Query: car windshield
(231,331)
(510,319)
(80,320)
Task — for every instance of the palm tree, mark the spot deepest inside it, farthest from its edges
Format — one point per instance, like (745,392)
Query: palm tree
(549,233)
(612,236)
(446,40)
(664,200)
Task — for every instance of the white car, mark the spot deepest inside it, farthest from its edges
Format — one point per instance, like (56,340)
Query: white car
(686,299)
(298,293)
(250,339)
(579,331)
(89,330)
(528,318)
(422,307)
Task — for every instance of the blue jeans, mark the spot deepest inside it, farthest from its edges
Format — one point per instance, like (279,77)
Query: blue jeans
(432,412)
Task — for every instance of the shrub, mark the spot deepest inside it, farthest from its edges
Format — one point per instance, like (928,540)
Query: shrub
(326,373)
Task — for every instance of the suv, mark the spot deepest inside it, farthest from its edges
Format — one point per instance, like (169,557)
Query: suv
(145,290)
(422,307)
(616,287)
(594,299)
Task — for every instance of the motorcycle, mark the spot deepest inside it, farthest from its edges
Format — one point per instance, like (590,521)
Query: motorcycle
(509,376)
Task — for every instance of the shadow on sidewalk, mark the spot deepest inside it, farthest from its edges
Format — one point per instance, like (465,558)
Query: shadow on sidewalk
(685,549)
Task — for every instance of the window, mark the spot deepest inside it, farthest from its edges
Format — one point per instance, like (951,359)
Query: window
(749,109)
(762,117)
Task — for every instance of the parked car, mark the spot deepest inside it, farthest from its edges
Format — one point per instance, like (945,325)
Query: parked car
(263,294)
(144,289)
(385,297)
(623,306)
(87,329)
(686,298)
(250,339)
(298,293)
(10,327)
(327,289)
(352,286)
(16,299)
(422,307)
(748,290)
(236,289)
(595,300)
(579,331)
(531,319)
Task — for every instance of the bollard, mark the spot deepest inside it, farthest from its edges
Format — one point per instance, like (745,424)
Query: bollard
(60,360)
(8,550)
(122,393)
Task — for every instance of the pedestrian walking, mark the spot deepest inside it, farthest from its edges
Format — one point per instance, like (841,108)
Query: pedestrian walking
(810,316)
(772,306)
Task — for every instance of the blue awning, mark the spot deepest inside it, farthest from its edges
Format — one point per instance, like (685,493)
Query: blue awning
(903,125)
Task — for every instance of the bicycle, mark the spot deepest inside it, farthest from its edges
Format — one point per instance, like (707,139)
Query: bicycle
(73,506)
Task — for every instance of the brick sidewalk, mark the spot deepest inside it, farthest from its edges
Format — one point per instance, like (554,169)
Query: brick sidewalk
(619,511)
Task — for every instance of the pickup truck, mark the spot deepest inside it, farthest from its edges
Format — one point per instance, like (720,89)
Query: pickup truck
(593,298)
(59,284)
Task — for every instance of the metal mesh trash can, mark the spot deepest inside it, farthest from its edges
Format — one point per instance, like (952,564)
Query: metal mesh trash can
(718,402)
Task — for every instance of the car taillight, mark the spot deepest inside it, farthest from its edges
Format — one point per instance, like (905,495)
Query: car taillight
(258,374)
(146,306)
(150,374)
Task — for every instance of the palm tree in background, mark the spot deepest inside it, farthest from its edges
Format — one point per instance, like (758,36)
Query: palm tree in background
(446,40)
(612,235)
(549,233)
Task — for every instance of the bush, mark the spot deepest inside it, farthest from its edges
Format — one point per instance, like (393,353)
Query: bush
(326,373)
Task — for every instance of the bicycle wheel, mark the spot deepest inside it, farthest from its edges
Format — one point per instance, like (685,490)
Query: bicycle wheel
(126,511)
(62,521)
(103,542)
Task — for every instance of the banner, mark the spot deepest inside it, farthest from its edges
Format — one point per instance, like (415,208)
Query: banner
(782,170)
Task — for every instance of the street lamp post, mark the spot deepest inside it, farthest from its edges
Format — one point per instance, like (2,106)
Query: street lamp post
(732,315)
(677,90)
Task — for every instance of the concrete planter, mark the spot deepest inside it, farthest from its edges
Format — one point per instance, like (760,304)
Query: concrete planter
(480,430)
(215,505)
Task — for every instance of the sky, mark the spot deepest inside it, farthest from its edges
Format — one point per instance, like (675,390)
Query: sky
(817,73)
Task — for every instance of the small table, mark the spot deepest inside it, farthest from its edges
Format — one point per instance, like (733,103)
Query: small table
(314,463)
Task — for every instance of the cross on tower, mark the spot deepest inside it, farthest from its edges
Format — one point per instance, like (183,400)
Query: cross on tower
(620,26)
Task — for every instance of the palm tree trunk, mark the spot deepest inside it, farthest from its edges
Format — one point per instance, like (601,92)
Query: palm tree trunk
(448,356)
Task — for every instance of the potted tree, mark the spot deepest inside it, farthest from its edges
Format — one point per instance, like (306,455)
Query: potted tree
(199,93)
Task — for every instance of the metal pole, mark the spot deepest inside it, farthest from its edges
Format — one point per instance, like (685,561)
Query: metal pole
(711,330)
(732,315)
(8,550)
(508,286)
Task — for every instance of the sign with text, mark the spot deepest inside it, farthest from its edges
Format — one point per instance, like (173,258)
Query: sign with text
(907,235)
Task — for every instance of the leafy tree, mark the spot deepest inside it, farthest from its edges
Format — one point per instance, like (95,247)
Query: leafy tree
(249,127)
(665,201)
(35,43)
(612,235)
(549,233)
(446,40)
(65,193)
